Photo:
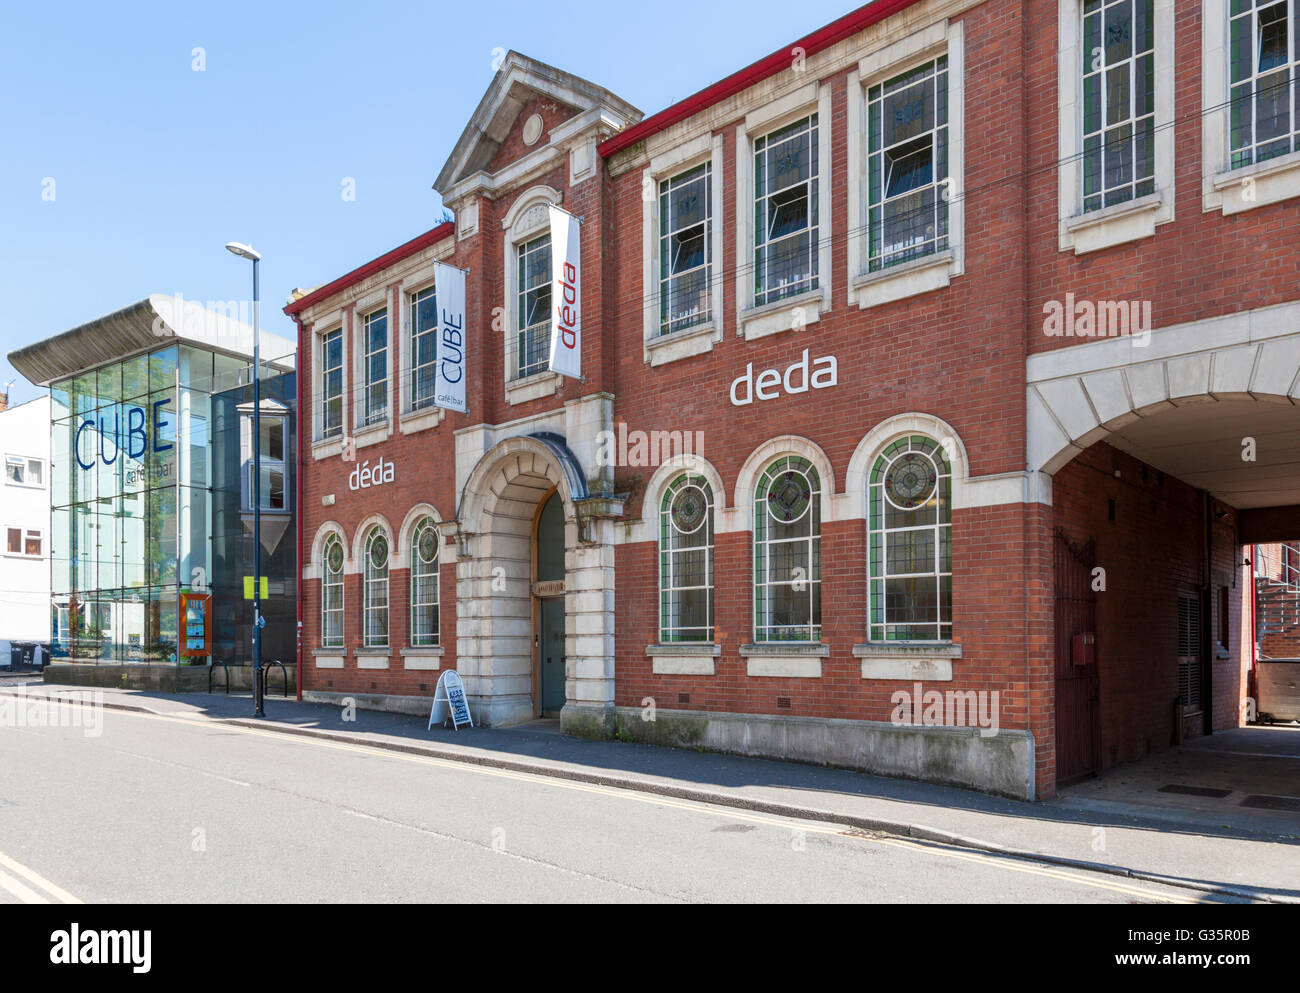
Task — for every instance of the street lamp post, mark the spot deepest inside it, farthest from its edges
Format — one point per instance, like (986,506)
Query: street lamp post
(245,252)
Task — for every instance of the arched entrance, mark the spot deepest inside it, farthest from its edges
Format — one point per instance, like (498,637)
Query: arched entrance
(524,547)
(1167,457)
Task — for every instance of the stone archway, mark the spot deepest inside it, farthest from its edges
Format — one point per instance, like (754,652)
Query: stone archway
(494,584)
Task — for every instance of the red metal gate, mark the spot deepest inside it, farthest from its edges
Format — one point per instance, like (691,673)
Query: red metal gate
(1078,724)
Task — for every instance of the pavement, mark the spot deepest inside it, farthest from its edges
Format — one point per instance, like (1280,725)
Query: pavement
(1120,824)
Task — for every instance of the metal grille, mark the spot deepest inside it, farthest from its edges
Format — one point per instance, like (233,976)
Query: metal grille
(1189,656)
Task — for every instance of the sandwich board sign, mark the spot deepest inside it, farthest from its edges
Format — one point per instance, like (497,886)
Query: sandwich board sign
(449,702)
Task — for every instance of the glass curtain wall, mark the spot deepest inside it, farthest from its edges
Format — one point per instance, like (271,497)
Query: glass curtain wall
(130,514)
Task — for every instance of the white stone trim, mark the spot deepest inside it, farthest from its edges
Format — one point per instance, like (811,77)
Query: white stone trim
(1224,189)
(1078,395)
(534,387)
(427,659)
(725,520)
(359,539)
(467,219)
(886,433)
(871,289)
(657,349)
(520,227)
(311,569)
(413,516)
(371,303)
(374,658)
(924,662)
(755,322)
(686,659)
(784,666)
(767,453)
(329,659)
(417,281)
(326,448)
(1120,223)
(1258,185)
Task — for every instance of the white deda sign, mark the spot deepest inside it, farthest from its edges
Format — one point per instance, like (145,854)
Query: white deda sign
(799,377)
(566,293)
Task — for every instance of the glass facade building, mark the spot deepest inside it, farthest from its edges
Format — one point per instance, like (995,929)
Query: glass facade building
(135,487)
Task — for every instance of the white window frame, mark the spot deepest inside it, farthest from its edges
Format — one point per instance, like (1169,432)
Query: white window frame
(409,369)
(1131,220)
(26,462)
(327,582)
(761,547)
(411,419)
(1223,188)
(322,446)
(755,321)
(539,330)
(700,338)
(25,534)
(929,272)
(878,531)
(525,221)
(668,554)
(371,583)
(433,570)
(271,410)
(362,316)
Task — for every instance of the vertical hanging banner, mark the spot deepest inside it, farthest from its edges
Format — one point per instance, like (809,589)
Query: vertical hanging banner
(566,293)
(449,383)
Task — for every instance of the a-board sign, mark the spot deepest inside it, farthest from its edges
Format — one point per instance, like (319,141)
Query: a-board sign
(449,701)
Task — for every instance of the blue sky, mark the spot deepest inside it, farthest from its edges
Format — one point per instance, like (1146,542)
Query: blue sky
(156,166)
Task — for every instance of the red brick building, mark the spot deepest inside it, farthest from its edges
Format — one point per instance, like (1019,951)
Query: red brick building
(935,371)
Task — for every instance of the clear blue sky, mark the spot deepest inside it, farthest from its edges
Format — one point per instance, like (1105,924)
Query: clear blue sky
(157,166)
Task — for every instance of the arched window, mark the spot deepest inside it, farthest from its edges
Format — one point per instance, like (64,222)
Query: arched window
(686,561)
(375,590)
(331,600)
(425,543)
(910,530)
(787,552)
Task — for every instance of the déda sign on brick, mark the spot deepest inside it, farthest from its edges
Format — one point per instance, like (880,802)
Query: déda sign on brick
(823,374)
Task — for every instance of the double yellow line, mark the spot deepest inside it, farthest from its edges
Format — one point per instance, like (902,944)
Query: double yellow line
(17,887)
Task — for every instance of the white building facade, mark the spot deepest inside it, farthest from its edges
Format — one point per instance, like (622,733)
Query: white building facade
(25,609)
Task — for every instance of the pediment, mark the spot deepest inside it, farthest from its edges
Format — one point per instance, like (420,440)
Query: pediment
(524,84)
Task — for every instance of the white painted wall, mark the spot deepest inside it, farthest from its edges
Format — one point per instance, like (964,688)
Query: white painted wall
(25,581)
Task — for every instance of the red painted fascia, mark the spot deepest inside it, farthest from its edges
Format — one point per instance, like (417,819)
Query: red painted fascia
(778,61)
(445,230)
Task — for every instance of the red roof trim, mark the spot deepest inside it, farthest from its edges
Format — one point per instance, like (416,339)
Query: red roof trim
(778,61)
(445,230)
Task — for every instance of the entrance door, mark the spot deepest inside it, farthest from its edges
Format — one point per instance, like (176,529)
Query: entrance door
(1078,694)
(551,660)
(548,589)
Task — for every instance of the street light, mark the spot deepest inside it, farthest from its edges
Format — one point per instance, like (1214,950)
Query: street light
(245,252)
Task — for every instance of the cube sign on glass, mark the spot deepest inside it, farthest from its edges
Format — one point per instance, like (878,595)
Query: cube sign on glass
(566,293)
(449,388)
